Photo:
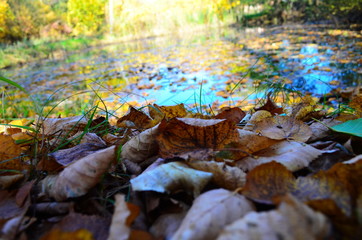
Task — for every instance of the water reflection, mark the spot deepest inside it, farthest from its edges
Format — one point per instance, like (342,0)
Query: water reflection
(199,69)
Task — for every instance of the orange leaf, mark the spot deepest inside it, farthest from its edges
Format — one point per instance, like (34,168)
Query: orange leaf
(233,114)
(185,134)
(159,112)
(134,119)
(267,181)
(56,234)
(9,153)
(271,107)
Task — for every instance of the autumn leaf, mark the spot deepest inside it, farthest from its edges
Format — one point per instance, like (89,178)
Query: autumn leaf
(135,119)
(267,181)
(180,135)
(9,154)
(224,176)
(291,220)
(283,127)
(271,107)
(141,146)
(56,234)
(351,127)
(256,117)
(61,127)
(78,178)
(119,230)
(159,112)
(233,114)
(210,213)
(172,176)
(293,155)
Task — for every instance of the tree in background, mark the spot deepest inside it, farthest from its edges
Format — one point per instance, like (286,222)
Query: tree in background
(86,17)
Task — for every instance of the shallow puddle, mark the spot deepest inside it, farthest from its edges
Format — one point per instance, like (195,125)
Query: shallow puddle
(206,70)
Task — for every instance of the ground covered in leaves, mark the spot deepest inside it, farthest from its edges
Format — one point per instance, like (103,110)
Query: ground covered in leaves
(163,172)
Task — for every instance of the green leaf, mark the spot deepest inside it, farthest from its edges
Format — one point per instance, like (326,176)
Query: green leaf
(352,127)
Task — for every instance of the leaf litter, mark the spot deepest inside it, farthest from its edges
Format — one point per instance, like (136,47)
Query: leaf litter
(209,177)
(263,172)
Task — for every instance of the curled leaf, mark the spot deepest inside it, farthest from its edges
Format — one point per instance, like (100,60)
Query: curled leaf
(170,177)
(134,119)
(233,114)
(293,155)
(119,229)
(78,178)
(141,146)
(224,176)
(62,127)
(292,220)
(210,213)
(283,127)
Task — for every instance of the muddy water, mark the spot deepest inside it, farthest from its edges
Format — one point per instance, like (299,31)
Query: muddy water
(203,70)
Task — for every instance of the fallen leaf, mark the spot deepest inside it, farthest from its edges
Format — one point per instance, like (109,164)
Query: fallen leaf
(224,176)
(119,230)
(141,146)
(56,234)
(98,226)
(210,213)
(69,155)
(322,129)
(166,225)
(268,180)
(79,177)
(186,134)
(61,127)
(159,112)
(256,117)
(271,107)
(170,177)
(134,119)
(9,154)
(233,114)
(351,127)
(293,155)
(291,220)
(283,127)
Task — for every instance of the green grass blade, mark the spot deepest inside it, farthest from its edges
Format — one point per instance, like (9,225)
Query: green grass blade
(14,84)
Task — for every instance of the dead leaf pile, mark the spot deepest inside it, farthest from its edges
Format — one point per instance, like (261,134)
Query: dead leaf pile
(171,174)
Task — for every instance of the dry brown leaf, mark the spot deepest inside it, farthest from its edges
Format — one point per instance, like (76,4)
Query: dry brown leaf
(97,225)
(181,135)
(8,180)
(283,127)
(271,107)
(256,117)
(321,129)
(135,119)
(292,220)
(356,103)
(141,146)
(248,143)
(79,177)
(170,177)
(338,184)
(61,127)
(159,112)
(56,234)
(69,155)
(293,155)
(166,225)
(210,213)
(233,114)
(224,176)
(10,154)
(87,138)
(267,181)
(119,230)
